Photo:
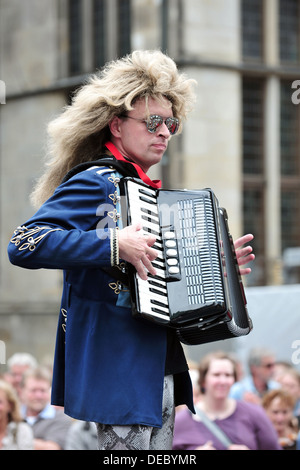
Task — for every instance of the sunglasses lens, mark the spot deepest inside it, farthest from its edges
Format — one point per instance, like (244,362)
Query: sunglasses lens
(172,124)
(155,121)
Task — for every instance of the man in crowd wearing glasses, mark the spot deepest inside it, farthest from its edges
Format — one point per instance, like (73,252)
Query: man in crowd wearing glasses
(259,380)
(124,374)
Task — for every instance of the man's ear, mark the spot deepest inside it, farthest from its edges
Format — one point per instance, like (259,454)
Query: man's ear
(114,127)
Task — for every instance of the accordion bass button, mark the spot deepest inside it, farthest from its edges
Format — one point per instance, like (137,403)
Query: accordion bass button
(169,235)
(171,252)
(173,270)
(170,243)
(172,262)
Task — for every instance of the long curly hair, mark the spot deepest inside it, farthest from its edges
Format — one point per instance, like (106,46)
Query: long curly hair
(79,133)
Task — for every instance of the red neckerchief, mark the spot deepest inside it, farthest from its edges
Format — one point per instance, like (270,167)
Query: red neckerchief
(153,183)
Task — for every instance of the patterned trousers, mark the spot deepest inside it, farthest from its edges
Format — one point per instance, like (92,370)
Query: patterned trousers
(140,437)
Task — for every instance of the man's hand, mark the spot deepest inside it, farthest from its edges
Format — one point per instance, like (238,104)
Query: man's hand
(244,254)
(135,247)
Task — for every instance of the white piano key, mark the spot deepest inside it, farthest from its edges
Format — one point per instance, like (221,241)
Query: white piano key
(138,201)
(156,297)
(152,281)
(147,306)
(143,288)
(152,227)
(160,263)
(160,273)
(149,310)
(136,197)
(135,194)
(159,257)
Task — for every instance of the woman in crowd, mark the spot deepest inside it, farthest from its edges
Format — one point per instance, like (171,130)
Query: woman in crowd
(290,381)
(242,425)
(14,434)
(279,405)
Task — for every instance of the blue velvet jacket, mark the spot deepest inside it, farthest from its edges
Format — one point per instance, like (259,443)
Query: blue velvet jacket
(108,366)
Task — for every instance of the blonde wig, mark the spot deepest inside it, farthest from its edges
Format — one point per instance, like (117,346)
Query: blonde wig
(79,133)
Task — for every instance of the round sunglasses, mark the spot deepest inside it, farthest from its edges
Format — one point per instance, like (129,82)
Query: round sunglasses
(154,121)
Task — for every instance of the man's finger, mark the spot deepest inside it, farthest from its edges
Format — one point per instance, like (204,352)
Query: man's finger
(148,265)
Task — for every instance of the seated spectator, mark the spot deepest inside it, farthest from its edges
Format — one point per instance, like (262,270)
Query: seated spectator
(50,425)
(246,425)
(252,387)
(279,406)
(17,364)
(14,434)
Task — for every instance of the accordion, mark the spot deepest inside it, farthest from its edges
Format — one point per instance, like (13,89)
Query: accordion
(197,288)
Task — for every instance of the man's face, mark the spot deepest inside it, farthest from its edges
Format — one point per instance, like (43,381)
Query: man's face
(266,369)
(132,138)
(16,375)
(36,394)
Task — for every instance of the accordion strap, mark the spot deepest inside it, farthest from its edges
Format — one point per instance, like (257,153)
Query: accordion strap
(213,428)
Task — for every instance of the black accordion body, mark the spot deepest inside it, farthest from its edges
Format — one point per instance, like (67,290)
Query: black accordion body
(197,288)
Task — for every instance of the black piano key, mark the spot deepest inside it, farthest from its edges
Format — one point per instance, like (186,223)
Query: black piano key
(147,192)
(157,246)
(158,303)
(158,266)
(159,292)
(150,230)
(150,219)
(161,312)
(154,282)
(150,213)
(147,200)
(159,278)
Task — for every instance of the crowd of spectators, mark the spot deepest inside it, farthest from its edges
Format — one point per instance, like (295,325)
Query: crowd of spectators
(256,410)
(28,421)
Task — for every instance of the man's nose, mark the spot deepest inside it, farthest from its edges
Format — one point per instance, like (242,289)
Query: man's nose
(164,131)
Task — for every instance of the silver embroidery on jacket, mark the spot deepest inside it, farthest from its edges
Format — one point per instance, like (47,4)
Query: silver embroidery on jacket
(27,238)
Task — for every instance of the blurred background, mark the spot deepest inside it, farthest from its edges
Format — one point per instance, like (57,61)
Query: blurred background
(242,138)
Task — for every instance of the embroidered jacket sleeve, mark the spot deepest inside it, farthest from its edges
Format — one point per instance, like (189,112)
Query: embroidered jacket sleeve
(75,228)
